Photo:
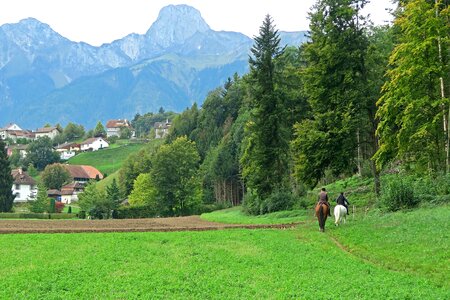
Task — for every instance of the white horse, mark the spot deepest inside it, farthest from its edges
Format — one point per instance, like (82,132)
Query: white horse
(340,214)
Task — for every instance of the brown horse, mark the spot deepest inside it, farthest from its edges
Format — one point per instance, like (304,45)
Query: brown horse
(322,214)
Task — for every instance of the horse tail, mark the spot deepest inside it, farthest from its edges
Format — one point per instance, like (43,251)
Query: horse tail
(321,217)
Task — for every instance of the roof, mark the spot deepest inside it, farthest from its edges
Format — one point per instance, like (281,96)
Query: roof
(82,171)
(46,129)
(68,146)
(90,140)
(53,193)
(18,147)
(21,177)
(118,123)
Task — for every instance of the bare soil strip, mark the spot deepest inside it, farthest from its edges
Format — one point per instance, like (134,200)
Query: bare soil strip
(191,223)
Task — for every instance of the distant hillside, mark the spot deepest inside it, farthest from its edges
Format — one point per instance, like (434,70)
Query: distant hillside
(107,160)
(46,78)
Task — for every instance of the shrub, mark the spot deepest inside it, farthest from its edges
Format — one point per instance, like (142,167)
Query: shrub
(59,206)
(397,194)
(251,203)
(135,212)
(278,200)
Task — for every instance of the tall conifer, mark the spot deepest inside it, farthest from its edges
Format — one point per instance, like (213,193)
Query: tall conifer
(6,181)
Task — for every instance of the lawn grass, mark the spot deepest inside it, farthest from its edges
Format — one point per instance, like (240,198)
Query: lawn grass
(416,241)
(236,216)
(228,264)
(102,184)
(106,160)
(299,263)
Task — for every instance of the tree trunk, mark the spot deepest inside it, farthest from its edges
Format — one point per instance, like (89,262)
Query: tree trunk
(445,110)
(359,158)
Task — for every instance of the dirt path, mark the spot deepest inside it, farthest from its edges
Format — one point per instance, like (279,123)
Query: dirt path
(191,223)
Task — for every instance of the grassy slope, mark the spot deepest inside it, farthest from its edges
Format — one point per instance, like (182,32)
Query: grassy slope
(387,260)
(106,160)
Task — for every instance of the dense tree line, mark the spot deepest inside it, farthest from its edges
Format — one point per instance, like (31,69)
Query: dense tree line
(352,100)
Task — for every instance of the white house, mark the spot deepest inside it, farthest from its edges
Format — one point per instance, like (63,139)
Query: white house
(113,127)
(94,144)
(24,186)
(162,129)
(50,132)
(69,192)
(13,131)
(68,150)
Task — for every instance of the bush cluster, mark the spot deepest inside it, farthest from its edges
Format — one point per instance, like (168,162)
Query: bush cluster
(36,216)
(277,201)
(398,193)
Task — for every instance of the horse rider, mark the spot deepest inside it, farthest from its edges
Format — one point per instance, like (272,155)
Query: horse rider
(341,200)
(323,198)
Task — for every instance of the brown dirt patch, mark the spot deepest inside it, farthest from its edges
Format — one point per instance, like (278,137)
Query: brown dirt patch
(191,223)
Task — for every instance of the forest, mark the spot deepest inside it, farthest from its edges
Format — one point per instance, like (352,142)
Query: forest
(356,99)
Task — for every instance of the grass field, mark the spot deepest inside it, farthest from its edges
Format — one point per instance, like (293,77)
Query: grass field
(379,257)
(106,160)
(236,216)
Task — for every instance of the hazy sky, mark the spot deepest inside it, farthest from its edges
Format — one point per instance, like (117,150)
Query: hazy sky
(102,21)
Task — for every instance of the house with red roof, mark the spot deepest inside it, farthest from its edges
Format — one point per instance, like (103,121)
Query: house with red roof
(113,127)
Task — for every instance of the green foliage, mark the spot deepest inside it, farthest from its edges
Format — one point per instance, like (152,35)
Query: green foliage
(52,206)
(265,158)
(136,212)
(40,153)
(125,133)
(135,164)
(174,176)
(334,79)
(42,202)
(15,160)
(55,176)
(99,130)
(6,181)
(32,171)
(412,110)
(397,194)
(113,194)
(277,201)
(44,216)
(95,203)
(144,193)
(144,124)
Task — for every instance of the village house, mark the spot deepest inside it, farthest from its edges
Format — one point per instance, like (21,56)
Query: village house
(68,150)
(94,144)
(13,131)
(69,192)
(50,132)
(113,127)
(162,129)
(82,173)
(24,186)
(21,148)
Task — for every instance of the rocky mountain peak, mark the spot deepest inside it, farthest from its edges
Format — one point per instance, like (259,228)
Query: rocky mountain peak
(175,24)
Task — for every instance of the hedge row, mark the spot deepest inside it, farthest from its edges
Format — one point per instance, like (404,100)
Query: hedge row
(37,216)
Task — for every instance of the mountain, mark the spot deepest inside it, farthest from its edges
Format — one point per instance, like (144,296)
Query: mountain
(46,78)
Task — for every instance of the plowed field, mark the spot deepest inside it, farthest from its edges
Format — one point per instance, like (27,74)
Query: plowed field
(193,223)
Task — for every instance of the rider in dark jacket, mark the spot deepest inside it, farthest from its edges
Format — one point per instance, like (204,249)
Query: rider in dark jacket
(323,198)
(341,200)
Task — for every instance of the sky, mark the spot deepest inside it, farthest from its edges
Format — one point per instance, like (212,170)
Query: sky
(103,21)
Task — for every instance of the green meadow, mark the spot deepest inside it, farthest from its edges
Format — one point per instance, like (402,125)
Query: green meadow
(106,160)
(378,256)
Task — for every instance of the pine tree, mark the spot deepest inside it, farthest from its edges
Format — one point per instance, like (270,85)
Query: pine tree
(113,194)
(6,181)
(335,81)
(99,130)
(265,160)
(42,202)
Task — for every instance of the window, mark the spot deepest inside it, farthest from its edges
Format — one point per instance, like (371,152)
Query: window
(17,186)
(17,195)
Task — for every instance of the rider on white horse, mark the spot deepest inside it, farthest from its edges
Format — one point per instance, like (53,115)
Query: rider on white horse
(341,200)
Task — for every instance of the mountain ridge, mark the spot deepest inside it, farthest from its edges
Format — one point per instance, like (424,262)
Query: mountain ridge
(175,63)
